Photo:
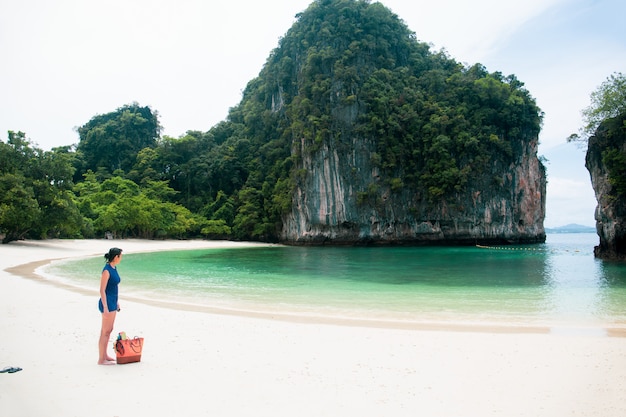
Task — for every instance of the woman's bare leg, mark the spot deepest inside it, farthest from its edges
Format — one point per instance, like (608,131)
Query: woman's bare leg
(105,334)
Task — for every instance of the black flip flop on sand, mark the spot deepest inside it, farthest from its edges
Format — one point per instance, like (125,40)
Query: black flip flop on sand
(10,370)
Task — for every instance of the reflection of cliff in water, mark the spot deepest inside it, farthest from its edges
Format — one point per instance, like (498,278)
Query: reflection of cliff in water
(612,290)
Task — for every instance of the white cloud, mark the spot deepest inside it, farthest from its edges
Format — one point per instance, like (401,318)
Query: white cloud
(469,31)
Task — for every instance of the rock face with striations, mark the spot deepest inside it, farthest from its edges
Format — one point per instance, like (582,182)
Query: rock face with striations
(392,143)
(326,208)
(608,183)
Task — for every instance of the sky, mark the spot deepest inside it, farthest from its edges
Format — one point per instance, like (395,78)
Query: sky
(66,61)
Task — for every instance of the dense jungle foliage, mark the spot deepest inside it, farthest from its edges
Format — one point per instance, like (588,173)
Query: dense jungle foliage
(611,138)
(345,69)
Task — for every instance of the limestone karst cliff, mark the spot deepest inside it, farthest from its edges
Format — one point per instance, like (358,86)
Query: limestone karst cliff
(393,143)
(327,210)
(363,135)
(605,161)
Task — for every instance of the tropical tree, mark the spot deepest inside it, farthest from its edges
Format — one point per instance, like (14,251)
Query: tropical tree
(35,191)
(113,140)
(19,210)
(607,101)
(123,208)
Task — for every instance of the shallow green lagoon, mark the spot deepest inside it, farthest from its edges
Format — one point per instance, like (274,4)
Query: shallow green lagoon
(558,282)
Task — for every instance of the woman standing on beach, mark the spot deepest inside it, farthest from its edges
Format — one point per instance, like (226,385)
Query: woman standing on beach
(108,291)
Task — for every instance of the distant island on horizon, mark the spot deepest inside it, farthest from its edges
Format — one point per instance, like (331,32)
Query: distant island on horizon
(571,228)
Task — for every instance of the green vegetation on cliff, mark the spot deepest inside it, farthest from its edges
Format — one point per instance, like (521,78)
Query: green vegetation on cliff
(605,133)
(605,119)
(613,132)
(346,69)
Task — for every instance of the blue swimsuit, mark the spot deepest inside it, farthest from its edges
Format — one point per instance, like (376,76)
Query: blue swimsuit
(111,289)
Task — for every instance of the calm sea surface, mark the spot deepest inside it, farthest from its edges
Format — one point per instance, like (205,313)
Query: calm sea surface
(556,283)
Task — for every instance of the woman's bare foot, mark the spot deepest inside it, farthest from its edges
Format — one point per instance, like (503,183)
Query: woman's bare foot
(107,362)
(108,358)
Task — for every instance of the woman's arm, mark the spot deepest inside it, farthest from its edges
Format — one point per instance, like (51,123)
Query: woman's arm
(104,279)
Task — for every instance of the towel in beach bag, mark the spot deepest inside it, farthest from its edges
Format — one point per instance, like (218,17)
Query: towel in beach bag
(128,350)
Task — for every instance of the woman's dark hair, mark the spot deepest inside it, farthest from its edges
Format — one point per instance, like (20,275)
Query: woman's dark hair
(113,252)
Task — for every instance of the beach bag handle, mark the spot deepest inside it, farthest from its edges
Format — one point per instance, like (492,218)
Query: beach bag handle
(135,345)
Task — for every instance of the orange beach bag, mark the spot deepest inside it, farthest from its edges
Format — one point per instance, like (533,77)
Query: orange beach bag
(128,350)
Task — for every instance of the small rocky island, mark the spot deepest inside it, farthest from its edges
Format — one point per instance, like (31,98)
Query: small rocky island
(390,142)
(605,161)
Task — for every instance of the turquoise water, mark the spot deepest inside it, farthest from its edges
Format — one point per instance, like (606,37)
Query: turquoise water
(559,282)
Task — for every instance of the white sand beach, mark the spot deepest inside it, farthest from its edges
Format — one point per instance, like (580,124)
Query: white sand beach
(198,363)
